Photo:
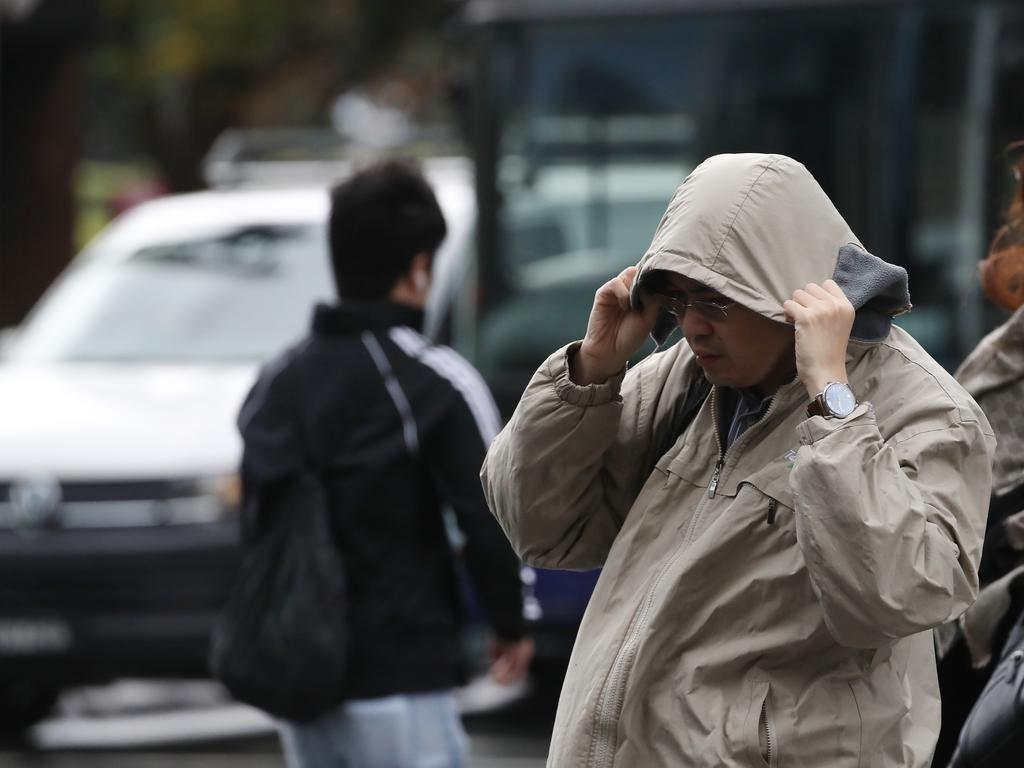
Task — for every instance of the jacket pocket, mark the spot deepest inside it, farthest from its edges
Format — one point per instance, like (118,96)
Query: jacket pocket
(761,733)
(772,484)
(766,516)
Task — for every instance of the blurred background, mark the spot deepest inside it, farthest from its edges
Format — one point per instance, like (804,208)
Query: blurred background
(163,176)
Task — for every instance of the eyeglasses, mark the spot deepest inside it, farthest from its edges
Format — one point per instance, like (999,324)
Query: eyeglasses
(676,304)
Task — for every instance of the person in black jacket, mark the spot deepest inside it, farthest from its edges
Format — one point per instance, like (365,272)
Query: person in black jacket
(402,426)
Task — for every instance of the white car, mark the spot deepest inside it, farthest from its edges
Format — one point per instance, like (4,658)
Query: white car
(118,446)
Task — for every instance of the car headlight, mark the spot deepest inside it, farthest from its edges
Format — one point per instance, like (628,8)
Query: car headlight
(227,489)
(211,500)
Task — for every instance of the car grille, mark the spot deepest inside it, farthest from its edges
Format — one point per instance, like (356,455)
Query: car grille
(119,504)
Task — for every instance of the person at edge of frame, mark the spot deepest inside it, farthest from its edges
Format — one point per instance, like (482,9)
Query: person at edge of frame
(783,507)
(994,375)
(402,424)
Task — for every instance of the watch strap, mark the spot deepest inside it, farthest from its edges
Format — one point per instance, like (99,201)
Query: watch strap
(817,405)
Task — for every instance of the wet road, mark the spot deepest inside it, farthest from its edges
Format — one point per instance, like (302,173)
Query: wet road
(139,724)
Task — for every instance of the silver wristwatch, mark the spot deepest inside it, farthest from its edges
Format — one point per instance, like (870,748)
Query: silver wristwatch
(835,401)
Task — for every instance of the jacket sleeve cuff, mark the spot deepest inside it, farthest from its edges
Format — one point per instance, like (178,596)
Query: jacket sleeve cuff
(575,394)
(817,427)
(510,629)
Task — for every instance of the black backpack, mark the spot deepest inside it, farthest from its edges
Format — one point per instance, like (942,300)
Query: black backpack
(282,641)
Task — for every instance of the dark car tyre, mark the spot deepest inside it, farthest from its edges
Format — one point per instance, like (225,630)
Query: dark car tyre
(24,703)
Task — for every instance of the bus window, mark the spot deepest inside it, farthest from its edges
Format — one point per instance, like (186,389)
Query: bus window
(593,122)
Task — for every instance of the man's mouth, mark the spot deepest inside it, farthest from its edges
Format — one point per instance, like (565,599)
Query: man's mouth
(707,360)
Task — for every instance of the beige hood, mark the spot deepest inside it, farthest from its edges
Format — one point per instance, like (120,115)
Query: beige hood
(755,228)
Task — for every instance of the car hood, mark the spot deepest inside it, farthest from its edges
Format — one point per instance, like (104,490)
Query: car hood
(106,422)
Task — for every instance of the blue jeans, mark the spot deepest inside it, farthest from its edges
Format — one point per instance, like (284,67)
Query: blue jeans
(421,730)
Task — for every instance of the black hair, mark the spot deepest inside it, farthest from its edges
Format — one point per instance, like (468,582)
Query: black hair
(381,217)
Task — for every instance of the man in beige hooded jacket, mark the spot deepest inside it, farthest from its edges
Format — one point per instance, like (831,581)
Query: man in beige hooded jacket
(770,578)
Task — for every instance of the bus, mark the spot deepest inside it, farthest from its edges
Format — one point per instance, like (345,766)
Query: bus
(586,115)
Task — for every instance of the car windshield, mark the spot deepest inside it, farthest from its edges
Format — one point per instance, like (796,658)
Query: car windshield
(238,296)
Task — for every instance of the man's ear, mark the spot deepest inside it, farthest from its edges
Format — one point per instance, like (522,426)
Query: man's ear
(419,271)
(420,281)
(665,324)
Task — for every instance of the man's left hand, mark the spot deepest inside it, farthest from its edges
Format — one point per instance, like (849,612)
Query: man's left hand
(510,659)
(822,317)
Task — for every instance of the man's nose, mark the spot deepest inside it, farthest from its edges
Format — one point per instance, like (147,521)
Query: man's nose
(693,325)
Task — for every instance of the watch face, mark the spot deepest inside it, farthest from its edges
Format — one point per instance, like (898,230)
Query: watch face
(839,400)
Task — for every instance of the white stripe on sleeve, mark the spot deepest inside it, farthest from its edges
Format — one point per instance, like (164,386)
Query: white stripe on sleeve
(463,376)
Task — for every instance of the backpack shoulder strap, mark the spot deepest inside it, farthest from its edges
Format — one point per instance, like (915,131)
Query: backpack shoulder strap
(395,391)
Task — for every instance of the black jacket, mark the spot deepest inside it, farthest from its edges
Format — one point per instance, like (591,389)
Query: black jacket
(401,427)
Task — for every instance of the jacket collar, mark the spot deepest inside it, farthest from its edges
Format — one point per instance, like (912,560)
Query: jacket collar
(355,316)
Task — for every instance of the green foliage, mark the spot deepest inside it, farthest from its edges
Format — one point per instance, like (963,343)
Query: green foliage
(148,41)
(172,74)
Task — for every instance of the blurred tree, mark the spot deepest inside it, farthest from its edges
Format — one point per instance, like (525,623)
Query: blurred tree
(164,79)
(188,69)
(40,88)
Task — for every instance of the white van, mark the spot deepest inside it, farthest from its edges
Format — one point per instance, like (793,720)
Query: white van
(118,446)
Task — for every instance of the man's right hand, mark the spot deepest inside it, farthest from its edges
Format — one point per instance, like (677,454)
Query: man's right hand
(614,333)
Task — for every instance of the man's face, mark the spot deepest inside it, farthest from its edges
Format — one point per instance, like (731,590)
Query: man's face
(739,348)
